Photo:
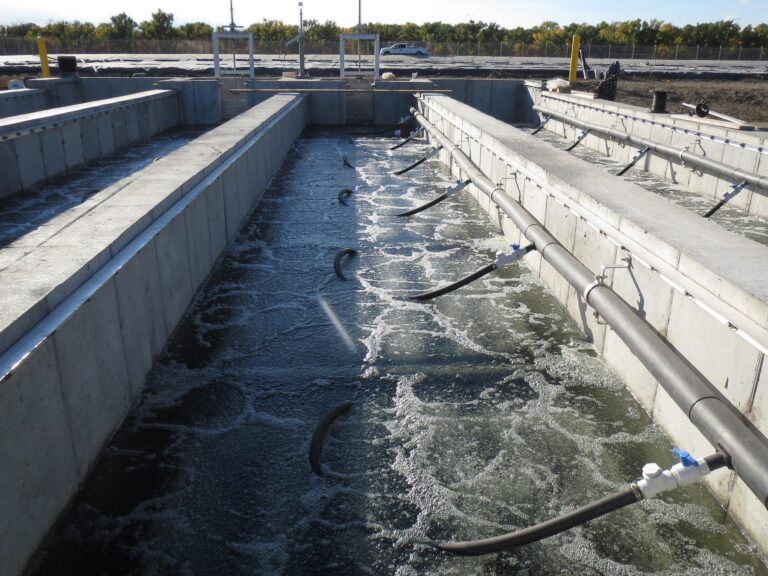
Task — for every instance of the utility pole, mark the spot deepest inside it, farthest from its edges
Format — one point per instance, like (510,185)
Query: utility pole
(359,15)
(232,28)
(301,40)
(359,30)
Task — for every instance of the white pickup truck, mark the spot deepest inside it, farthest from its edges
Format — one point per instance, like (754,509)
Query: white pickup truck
(403,49)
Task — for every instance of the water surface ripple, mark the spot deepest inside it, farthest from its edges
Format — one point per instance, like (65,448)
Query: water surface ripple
(477,414)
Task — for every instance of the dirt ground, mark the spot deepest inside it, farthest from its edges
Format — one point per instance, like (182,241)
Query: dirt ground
(743,99)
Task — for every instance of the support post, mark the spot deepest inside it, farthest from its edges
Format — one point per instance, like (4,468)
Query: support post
(216,64)
(574,58)
(341,55)
(250,56)
(43,51)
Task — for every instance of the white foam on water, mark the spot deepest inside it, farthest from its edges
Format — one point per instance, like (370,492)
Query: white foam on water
(476,415)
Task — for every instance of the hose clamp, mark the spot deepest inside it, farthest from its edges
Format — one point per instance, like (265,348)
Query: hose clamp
(598,281)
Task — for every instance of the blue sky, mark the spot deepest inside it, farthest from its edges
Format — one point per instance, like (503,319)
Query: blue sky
(508,13)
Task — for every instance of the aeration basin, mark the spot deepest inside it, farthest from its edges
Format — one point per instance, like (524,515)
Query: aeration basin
(212,361)
(482,412)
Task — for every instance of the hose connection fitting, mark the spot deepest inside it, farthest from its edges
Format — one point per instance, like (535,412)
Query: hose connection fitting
(688,471)
(503,258)
(457,188)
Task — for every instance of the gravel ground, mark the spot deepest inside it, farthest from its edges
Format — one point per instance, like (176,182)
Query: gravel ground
(745,99)
(324,65)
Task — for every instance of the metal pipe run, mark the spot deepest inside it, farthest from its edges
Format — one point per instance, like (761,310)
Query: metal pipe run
(733,174)
(715,417)
(333,90)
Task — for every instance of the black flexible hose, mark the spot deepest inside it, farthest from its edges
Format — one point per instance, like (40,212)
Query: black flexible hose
(629,495)
(412,166)
(375,132)
(318,437)
(541,126)
(456,285)
(637,159)
(343,195)
(337,261)
(423,206)
(578,141)
(715,208)
(410,138)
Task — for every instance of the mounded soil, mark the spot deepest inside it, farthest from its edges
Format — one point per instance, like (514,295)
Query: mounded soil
(743,99)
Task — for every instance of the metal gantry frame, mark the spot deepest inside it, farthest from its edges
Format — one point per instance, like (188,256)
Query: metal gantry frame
(359,36)
(216,36)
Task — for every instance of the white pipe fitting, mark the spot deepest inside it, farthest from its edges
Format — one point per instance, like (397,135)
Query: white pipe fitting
(655,480)
(503,258)
(458,188)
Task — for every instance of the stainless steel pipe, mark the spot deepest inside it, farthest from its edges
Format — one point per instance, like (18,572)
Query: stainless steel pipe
(729,172)
(718,420)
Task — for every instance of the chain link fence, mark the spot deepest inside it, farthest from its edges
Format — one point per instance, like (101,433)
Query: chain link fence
(27,46)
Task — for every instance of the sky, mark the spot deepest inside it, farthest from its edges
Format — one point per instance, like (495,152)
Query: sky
(508,13)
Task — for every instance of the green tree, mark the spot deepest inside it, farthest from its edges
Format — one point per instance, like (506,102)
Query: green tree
(548,32)
(273,30)
(195,30)
(123,26)
(328,30)
(69,33)
(160,27)
(640,32)
(25,30)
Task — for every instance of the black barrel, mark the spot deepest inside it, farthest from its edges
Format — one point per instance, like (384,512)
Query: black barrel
(659,102)
(67,65)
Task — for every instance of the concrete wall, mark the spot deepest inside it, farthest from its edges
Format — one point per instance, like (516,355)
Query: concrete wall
(42,145)
(200,98)
(40,94)
(13,102)
(699,286)
(91,298)
(333,108)
(504,99)
(746,150)
(58,91)
(507,100)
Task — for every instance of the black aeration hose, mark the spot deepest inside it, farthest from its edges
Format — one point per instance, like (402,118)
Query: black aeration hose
(629,495)
(456,285)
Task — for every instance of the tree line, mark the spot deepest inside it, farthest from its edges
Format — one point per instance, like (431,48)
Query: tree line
(630,32)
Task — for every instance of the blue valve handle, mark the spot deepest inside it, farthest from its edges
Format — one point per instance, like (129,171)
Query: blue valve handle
(685,458)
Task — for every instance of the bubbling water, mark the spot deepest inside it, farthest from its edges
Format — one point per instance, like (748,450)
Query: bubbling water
(479,413)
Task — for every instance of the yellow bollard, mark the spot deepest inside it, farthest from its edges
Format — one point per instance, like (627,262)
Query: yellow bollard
(574,58)
(43,51)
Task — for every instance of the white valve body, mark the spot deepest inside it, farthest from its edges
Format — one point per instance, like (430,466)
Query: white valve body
(454,189)
(503,258)
(655,480)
